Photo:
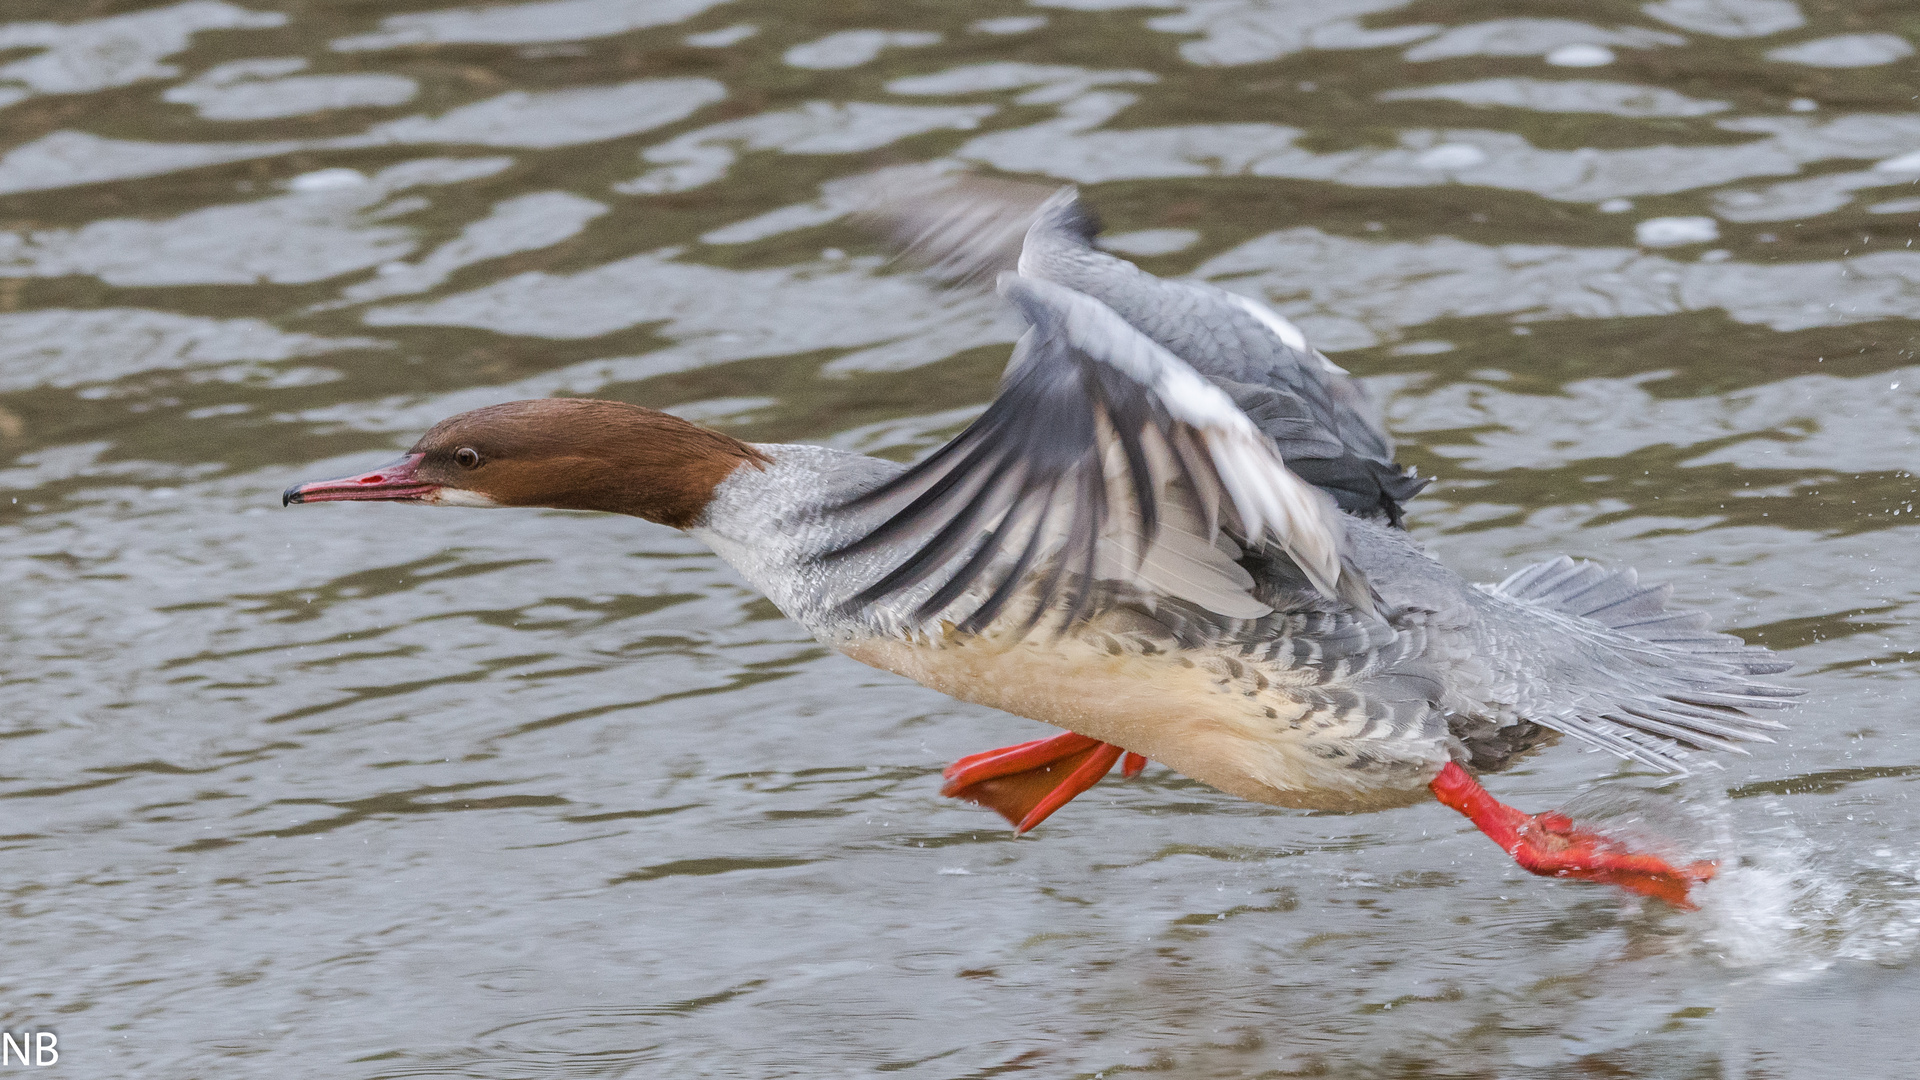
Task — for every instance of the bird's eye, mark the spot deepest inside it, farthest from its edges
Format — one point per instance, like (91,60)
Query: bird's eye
(468,457)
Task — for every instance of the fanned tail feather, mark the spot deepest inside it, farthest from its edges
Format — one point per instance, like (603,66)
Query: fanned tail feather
(1664,681)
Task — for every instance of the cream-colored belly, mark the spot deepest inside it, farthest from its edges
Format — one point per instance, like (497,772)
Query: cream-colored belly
(1203,715)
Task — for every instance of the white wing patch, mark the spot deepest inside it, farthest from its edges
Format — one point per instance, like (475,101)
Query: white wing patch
(1180,562)
(1289,334)
(1189,558)
(1267,498)
(447,496)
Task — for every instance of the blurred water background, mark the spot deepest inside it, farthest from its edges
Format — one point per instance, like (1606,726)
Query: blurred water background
(377,791)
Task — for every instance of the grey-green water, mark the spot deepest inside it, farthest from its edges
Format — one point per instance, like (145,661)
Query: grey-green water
(376,791)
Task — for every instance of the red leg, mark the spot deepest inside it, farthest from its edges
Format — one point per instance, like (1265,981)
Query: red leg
(1028,782)
(1550,845)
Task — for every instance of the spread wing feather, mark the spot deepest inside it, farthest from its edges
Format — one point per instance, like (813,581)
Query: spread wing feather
(1104,460)
(964,229)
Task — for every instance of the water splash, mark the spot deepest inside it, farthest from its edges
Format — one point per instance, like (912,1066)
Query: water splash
(1791,906)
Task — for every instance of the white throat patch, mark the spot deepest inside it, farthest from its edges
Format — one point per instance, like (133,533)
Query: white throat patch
(447,496)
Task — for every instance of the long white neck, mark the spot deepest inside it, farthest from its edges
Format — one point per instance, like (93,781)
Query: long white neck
(768,524)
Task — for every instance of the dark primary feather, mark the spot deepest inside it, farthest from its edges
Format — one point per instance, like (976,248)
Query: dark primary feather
(1360,482)
(1016,457)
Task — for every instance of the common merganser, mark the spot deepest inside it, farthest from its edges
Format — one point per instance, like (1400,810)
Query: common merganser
(1175,532)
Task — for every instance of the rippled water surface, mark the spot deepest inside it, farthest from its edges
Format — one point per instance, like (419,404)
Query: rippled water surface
(378,791)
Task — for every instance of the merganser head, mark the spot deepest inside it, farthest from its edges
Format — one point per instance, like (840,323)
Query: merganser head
(562,453)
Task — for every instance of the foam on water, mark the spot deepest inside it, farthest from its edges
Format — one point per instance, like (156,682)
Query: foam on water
(1780,904)
(1789,907)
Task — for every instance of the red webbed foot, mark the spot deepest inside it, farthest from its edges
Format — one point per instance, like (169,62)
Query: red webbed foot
(1551,845)
(1028,782)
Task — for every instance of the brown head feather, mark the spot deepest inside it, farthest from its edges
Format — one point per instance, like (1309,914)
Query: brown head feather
(579,454)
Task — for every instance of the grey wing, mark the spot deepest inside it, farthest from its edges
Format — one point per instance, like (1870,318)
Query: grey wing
(1104,463)
(1361,482)
(1317,413)
(965,229)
